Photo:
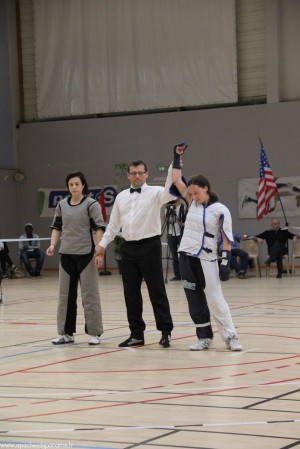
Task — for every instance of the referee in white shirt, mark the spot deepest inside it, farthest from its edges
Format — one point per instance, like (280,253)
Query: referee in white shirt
(137,212)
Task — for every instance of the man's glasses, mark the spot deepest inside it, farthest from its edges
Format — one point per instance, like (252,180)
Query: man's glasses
(135,173)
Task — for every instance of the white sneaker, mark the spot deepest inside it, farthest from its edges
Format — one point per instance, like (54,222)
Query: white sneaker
(233,344)
(63,340)
(202,343)
(94,340)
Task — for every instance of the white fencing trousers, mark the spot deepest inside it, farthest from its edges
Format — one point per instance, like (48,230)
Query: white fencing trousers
(218,307)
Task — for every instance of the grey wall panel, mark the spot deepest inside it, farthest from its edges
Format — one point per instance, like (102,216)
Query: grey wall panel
(223,145)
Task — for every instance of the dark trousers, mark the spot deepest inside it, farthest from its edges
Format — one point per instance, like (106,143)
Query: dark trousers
(244,260)
(276,253)
(5,260)
(142,259)
(194,285)
(75,269)
(174,242)
(36,254)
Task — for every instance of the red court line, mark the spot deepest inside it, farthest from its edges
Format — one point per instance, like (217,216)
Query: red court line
(186,368)
(160,399)
(37,367)
(43,402)
(9,406)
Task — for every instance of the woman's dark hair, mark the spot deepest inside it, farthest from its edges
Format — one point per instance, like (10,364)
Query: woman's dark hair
(135,164)
(80,175)
(201,181)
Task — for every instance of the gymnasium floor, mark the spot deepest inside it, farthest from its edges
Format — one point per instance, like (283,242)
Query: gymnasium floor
(80,396)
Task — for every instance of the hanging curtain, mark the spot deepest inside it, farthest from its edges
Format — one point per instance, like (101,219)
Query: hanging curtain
(111,56)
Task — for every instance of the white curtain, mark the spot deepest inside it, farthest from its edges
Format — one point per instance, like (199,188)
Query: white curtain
(105,56)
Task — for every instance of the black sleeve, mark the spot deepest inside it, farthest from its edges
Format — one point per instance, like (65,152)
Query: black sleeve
(263,235)
(57,224)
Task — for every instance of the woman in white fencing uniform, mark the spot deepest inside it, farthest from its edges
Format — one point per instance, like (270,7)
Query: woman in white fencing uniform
(199,268)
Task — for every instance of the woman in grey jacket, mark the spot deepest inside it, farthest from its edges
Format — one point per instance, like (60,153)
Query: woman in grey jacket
(79,225)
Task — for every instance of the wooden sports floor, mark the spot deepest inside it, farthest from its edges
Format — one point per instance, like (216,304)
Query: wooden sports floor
(82,396)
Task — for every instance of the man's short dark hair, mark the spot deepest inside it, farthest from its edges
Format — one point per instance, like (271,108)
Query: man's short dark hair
(135,164)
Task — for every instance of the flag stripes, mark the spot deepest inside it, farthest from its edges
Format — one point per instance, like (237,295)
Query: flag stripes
(266,185)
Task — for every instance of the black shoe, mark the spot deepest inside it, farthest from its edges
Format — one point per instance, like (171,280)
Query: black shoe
(165,340)
(279,275)
(241,274)
(176,278)
(132,342)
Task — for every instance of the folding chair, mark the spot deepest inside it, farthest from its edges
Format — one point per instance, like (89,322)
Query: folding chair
(251,247)
(295,255)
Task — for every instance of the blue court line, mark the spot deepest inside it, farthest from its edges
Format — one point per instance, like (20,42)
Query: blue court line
(25,353)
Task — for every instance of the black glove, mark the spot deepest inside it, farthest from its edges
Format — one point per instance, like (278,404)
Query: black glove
(225,266)
(176,160)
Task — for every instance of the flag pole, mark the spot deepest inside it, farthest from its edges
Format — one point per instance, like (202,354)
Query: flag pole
(279,197)
(278,194)
(265,168)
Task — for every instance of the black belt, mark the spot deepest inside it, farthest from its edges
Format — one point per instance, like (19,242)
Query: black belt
(207,234)
(137,242)
(207,250)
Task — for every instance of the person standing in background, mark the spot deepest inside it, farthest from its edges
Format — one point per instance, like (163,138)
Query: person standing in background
(175,217)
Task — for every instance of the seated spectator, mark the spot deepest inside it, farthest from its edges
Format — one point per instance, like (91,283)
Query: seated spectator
(5,260)
(277,242)
(30,249)
(241,265)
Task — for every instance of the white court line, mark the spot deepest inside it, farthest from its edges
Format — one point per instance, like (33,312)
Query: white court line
(130,428)
(235,353)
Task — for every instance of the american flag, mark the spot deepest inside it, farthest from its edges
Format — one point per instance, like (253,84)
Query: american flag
(266,186)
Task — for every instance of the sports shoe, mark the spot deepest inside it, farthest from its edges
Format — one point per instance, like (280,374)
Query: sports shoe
(94,340)
(242,274)
(63,340)
(202,343)
(132,342)
(165,340)
(233,344)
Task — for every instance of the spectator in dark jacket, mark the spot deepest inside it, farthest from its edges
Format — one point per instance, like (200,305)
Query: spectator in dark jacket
(277,241)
